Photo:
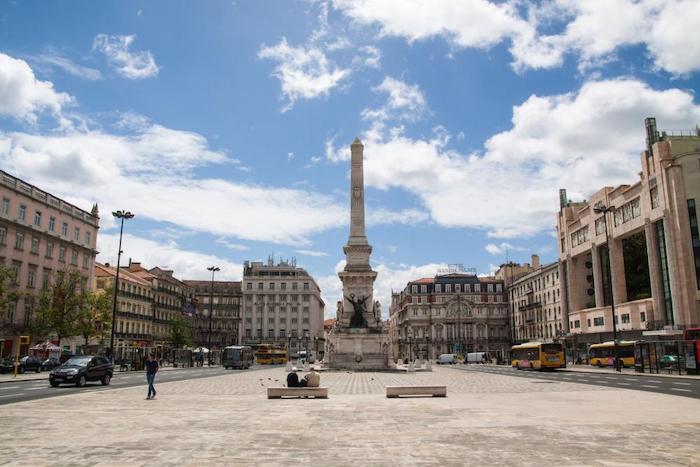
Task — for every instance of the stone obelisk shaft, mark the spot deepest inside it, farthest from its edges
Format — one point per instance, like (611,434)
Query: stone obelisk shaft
(357,250)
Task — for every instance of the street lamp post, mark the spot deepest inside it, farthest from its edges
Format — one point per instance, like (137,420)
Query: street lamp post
(601,208)
(119,215)
(213,269)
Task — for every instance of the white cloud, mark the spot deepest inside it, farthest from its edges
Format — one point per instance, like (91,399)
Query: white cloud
(466,23)
(303,72)
(511,189)
(500,249)
(24,97)
(186,264)
(312,253)
(670,30)
(231,245)
(379,215)
(404,101)
(52,59)
(129,64)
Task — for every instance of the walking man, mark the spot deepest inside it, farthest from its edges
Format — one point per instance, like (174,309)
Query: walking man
(151,370)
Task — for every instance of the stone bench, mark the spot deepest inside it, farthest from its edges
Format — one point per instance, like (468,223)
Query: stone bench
(278,393)
(435,391)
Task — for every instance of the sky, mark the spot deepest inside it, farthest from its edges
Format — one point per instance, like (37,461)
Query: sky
(225,126)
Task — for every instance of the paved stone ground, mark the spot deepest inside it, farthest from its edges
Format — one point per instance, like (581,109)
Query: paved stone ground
(485,420)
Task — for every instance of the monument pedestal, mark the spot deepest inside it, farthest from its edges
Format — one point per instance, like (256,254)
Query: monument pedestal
(358,350)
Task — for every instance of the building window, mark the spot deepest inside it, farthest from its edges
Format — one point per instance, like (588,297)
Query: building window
(580,236)
(260,285)
(448,288)
(74,258)
(271,333)
(438,288)
(272,286)
(625,318)
(423,289)
(414,289)
(37,218)
(62,254)
(76,234)
(598,321)
(52,224)
(600,226)
(19,241)
(654,195)
(3,235)
(249,286)
(695,236)
(283,286)
(306,286)
(588,322)
(64,229)
(85,261)
(31,278)
(577,323)
(15,270)
(248,333)
(35,245)
(627,212)
(643,316)
(88,238)
(283,334)
(22,212)
(5,207)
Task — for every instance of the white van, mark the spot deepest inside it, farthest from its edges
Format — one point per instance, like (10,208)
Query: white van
(446,359)
(476,357)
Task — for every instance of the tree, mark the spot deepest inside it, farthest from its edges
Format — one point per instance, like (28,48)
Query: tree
(180,334)
(8,290)
(60,305)
(96,319)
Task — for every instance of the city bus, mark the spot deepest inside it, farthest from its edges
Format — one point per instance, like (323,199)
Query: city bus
(538,356)
(268,354)
(237,356)
(603,354)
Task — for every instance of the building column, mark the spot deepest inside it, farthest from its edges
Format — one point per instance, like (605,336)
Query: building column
(563,296)
(597,277)
(655,279)
(617,271)
(566,284)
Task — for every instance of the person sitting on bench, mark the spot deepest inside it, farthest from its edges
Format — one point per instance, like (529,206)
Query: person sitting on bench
(312,380)
(293,379)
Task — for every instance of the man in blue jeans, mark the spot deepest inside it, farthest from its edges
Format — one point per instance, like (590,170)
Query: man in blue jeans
(151,370)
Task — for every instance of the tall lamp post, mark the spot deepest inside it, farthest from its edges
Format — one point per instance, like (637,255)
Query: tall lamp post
(601,208)
(213,269)
(119,215)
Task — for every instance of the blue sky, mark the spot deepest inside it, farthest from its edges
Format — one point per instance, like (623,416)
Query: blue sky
(225,125)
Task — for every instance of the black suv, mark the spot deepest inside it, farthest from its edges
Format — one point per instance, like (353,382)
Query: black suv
(27,363)
(80,369)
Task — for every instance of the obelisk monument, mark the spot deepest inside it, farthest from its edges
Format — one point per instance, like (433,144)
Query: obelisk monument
(358,340)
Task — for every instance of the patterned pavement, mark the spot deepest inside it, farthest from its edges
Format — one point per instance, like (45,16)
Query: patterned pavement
(487,419)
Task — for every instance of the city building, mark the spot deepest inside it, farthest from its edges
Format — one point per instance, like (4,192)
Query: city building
(652,268)
(224,299)
(171,298)
(281,305)
(450,313)
(40,235)
(510,271)
(133,330)
(535,300)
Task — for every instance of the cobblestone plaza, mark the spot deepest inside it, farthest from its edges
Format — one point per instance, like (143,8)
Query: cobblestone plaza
(486,419)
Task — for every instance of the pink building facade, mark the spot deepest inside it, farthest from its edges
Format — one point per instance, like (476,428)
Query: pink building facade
(652,267)
(40,235)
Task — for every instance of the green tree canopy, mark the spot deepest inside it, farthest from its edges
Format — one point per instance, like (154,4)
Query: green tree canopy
(180,334)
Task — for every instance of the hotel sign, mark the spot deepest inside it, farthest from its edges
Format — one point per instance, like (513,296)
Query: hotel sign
(456,268)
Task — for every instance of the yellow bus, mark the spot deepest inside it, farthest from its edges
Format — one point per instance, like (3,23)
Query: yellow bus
(604,354)
(538,356)
(269,354)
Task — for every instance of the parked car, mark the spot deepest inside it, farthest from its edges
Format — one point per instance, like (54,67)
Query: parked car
(79,370)
(668,361)
(50,363)
(26,363)
(7,365)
